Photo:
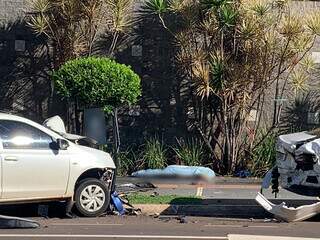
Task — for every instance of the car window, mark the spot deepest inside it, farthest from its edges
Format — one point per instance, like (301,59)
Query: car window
(18,135)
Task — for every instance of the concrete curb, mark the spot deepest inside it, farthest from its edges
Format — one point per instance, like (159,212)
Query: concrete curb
(236,211)
(234,208)
(217,180)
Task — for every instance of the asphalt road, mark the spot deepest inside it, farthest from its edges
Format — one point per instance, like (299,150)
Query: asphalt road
(142,227)
(233,188)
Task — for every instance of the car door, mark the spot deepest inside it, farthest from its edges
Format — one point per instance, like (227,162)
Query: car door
(31,166)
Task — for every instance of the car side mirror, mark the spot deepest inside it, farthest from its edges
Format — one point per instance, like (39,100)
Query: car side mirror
(62,144)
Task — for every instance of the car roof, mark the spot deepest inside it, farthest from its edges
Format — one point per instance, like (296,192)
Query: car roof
(8,116)
(12,117)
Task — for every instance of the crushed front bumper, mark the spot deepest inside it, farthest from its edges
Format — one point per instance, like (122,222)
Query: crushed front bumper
(288,214)
(298,161)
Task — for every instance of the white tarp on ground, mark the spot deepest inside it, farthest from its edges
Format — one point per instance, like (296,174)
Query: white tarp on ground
(177,171)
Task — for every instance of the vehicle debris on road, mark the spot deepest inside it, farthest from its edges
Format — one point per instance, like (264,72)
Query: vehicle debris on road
(15,223)
(289,214)
(297,170)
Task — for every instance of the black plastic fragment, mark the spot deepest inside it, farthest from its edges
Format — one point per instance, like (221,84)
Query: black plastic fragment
(15,222)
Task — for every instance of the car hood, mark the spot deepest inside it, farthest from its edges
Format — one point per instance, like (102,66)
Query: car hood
(101,158)
(290,142)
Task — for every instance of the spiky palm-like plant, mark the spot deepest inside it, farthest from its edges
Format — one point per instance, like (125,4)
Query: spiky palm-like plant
(72,27)
(232,52)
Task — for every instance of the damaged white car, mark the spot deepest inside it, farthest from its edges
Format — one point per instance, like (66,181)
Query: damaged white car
(297,170)
(298,163)
(44,163)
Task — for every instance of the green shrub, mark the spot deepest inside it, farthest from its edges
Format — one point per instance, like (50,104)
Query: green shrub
(154,154)
(97,82)
(190,152)
(127,162)
(264,155)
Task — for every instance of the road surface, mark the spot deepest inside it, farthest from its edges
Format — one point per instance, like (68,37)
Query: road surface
(143,227)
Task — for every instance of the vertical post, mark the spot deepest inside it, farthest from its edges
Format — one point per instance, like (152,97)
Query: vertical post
(116,139)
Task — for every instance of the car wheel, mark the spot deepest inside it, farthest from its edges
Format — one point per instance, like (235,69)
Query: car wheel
(92,197)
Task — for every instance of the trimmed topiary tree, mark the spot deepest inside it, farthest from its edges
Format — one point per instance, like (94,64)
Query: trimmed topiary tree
(98,82)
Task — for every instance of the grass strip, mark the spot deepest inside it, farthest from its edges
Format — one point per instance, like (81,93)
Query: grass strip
(140,198)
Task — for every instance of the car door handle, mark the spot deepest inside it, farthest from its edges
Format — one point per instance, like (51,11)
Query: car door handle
(11,158)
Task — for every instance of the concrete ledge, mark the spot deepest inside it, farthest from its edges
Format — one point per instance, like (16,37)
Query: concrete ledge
(247,211)
(240,208)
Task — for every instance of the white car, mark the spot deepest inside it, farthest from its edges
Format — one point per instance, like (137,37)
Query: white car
(38,164)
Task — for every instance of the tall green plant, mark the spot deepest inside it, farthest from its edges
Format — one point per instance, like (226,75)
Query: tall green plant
(190,152)
(129,161)
(154,154)
(264,155)
(231,53)
(73,27)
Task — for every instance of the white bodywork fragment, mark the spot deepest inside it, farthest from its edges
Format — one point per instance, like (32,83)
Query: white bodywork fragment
(289,214)
(298,160)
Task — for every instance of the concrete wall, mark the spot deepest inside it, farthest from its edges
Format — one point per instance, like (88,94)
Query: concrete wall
(11,9)
(161,110)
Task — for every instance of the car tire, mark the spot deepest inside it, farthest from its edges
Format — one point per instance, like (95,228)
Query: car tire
(92,197)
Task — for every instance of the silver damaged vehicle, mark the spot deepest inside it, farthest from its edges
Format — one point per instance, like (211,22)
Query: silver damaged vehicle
(297,170)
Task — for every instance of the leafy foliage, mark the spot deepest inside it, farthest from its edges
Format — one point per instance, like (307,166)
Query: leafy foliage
(129,162)
(157,6)
(264,155)
(190,152)
(72,27)
(231,53)
(154,154)
(97,82)
(296,114)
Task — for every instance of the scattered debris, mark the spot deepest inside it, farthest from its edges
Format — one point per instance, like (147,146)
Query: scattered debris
(154,194)
(138,187)
(289,214)
(15,223)
(121,206)
(182,219)
(117,203)
(243,174)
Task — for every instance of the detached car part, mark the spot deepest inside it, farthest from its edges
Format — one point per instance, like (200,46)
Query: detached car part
(17,223)
(297,170)
(298,163)
(289,214)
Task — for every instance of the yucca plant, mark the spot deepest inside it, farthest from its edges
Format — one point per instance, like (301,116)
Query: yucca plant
(129,161)
(231,53)
(154,154)
(72,27)
(157,6)
(190,152)
(264,155)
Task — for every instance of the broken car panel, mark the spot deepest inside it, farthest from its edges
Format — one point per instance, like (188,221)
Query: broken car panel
(298,163)
(298,170)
